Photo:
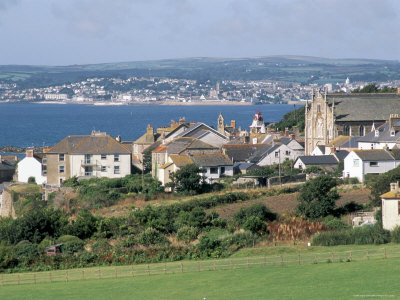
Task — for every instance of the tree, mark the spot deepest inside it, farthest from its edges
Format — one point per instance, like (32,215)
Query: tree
(380,184)
(317,197)
(187,179)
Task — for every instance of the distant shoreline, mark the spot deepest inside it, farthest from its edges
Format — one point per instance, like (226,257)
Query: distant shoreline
(171,103)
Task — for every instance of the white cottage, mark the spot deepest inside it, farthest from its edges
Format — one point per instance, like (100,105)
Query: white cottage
(391,207)
(32,166)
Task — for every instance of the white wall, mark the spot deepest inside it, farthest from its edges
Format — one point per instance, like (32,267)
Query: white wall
(390,213)
(367,146)
(124,165)
(30,167)
(360,169)
(285,153)
(228,172)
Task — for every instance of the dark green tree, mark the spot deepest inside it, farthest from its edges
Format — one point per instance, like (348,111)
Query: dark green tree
(187,179)
(317,197)
(380,184)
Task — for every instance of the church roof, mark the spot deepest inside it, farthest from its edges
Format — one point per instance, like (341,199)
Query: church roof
(364,107)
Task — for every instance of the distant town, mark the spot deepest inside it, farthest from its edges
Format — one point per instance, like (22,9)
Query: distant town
(152,90)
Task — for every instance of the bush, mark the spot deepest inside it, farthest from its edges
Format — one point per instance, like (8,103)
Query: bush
(101,247)
(240,239)
(187,234)
(334,223)
(255,225)
(256,210)
(194,218)
(152,236)
(32,180)
(396,234)
(130,241)
(364,235)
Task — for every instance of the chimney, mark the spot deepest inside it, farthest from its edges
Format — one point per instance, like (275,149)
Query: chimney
(333,150)
(393,119)
(394,187)
(292,136)
(192,124)
(233,123)
(182,121)
(150,130)
(118,138)
(286,131)
(29,152)
(398,90)
(296,132)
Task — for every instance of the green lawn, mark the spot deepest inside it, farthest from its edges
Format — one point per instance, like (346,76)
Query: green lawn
(348,280)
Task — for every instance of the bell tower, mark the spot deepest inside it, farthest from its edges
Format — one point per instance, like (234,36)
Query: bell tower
(221,124)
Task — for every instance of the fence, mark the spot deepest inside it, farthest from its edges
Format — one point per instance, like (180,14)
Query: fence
(196,266)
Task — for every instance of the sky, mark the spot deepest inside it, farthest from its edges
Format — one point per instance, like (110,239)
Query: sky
(66,32)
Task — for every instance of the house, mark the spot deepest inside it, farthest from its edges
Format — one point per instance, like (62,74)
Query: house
(342,142)
(362,162)
(385,136)
(86,156)
(391,207)
(326,162)
(331,115)
(205,133)
(319,150)
(33,165)
(215,165)
(182,146)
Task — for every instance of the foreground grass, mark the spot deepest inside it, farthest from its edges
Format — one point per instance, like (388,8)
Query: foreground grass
(372,279)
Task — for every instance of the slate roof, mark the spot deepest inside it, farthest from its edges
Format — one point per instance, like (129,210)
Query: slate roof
(364,107)
(211,160)
(242,166)
(384,135)
(89,144)
(318,159)
(374,155)
(340,154)
(245,152)
(194,129)
(187,143)
(5,166)
(344,141)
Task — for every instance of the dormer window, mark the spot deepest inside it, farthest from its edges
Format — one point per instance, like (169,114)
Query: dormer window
(376,133)
(392,132)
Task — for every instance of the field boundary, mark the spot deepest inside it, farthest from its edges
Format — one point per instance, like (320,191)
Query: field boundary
(116,272)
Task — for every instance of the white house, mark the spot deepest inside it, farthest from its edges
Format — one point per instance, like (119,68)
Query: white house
(278,154)
(215,165)
(326,162)
(358,163)
(391,207)
(31,166)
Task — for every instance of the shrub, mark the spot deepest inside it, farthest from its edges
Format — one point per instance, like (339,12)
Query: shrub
(333,238)
(334,223)
(256,210)
(255,225)
(101,246)
(152,236)
(194,218)
(32,180)
(130,241)
(240,239)
(187,234)
(396,234)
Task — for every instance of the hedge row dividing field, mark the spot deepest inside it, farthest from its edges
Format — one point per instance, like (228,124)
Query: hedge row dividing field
(199,266)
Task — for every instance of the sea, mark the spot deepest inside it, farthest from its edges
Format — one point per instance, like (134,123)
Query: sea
(29,124)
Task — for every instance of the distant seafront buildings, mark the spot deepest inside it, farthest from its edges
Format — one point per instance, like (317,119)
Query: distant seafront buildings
(139,90)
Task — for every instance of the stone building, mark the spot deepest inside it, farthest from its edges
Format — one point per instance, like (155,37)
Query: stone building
(328,116)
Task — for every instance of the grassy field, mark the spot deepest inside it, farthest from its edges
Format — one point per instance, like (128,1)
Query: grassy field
(348,280)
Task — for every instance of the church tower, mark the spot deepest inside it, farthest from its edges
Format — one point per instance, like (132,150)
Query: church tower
(221,124)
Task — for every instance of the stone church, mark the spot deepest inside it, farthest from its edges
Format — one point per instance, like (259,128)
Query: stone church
(328,116)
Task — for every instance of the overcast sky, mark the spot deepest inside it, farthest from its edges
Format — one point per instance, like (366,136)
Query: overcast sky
(63,32)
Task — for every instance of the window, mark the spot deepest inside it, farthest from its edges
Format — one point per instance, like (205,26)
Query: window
(213,170)
(319,108)
(356,162)
(362,130)
(104,156)
(60,157)
(398,208)
(372,146)
(287,153)
(61,169)
(116,157)
(88,171)
(376,133)
(392,133)
(373,163)
(103,169)
(88,158)
(116,169)
(44,170)
(276,154)
(346,130)
(222,170)
(44,160)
